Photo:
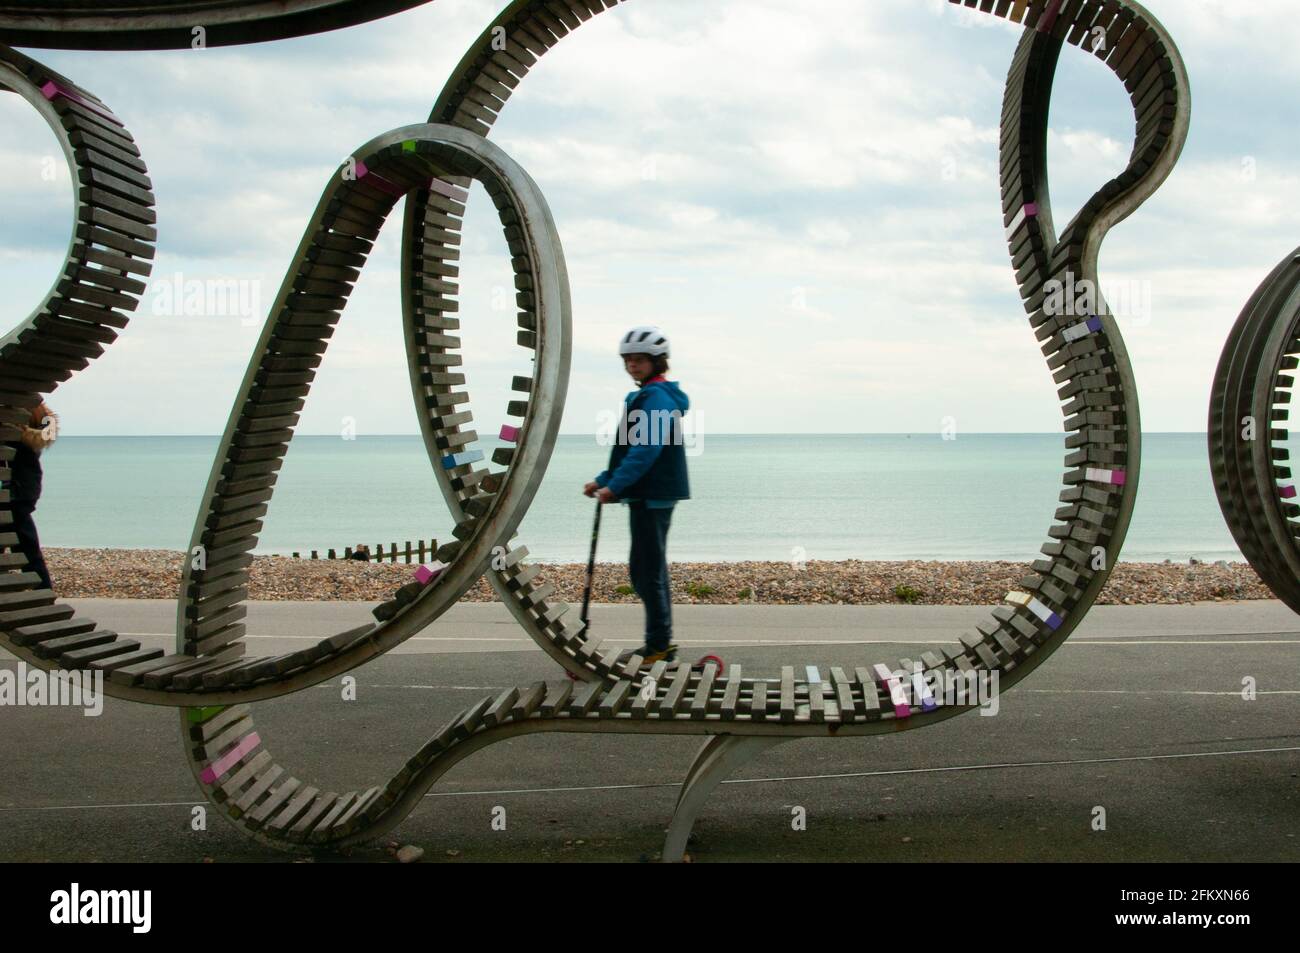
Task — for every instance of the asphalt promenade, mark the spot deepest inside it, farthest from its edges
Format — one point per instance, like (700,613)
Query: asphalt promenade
(1140,716)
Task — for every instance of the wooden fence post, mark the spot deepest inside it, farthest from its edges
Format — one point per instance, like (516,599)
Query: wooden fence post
(414,552)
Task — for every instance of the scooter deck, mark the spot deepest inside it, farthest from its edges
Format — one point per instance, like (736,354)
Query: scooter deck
(698,665)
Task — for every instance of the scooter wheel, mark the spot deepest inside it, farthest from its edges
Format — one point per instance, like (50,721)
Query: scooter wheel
(715,660)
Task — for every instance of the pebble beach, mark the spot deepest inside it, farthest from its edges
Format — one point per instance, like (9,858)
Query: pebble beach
(155,574)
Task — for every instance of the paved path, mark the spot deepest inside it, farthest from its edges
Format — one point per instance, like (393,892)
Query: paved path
(1140,713)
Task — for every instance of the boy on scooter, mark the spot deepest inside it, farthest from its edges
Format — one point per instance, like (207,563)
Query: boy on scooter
(647,471)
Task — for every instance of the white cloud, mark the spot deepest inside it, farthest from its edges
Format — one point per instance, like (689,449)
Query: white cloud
(806,199)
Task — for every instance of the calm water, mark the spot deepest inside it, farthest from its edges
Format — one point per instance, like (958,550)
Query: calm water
(887,496)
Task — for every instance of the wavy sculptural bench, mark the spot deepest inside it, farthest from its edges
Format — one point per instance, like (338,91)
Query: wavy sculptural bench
(213,682)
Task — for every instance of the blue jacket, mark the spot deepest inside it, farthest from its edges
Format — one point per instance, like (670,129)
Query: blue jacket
(648,459)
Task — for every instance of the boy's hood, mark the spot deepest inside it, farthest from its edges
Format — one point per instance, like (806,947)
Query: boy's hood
(672,389)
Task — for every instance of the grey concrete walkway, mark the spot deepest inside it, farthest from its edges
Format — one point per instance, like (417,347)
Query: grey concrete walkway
(489,627)
(1140,714)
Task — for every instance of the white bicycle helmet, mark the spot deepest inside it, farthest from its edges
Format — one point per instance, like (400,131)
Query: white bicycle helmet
(644,340)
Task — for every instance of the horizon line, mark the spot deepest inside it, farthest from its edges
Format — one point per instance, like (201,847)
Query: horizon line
(766,433)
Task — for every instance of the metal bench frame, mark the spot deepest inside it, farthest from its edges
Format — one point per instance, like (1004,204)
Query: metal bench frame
(210,680)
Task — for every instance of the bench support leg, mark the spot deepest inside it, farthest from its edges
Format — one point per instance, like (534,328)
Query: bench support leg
(719,758)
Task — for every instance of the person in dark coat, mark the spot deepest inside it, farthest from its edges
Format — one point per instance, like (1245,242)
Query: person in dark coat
(24,486)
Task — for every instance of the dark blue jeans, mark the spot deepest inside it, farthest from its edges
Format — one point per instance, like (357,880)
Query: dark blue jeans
(648,567)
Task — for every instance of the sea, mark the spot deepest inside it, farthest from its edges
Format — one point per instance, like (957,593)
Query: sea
(753,497)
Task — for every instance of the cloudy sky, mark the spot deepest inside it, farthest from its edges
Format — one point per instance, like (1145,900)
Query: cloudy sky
(804,196)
